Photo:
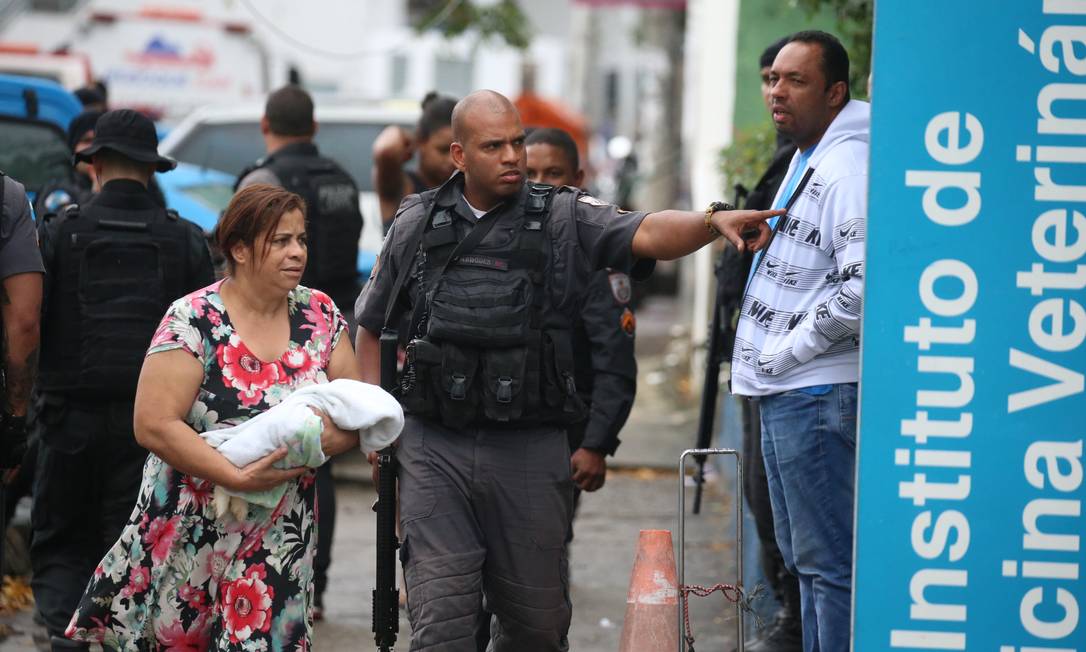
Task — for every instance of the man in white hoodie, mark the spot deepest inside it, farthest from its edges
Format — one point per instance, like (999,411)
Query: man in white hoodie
(797,341)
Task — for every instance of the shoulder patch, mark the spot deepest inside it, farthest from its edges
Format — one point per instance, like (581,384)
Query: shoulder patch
(592,201)
(56,200)
(628,322)
(620,287)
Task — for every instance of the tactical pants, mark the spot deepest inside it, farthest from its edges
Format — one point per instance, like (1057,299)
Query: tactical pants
(88,475)
(485,512)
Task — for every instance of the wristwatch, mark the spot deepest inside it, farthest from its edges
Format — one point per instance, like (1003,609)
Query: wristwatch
(712,208)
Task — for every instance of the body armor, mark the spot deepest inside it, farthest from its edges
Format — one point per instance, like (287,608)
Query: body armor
(116,273)
(484,348)
(333,220)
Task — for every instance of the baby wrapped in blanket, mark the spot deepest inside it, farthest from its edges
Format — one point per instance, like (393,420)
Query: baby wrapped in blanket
(350,404)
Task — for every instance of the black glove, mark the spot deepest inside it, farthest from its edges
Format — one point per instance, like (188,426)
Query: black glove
(12,441)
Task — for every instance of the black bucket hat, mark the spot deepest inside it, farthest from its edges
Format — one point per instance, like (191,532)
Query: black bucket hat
(129,133)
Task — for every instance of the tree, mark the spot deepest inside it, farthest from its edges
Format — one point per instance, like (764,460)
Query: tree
(752,148)
(503,19)
(854,20)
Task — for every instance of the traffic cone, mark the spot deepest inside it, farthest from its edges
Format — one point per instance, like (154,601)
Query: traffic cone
(652,603)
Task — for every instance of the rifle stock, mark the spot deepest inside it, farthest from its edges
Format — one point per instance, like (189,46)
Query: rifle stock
(707,413)
(386,617)
(386,596)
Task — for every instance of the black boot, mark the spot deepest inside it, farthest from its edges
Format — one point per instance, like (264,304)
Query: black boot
(783,634)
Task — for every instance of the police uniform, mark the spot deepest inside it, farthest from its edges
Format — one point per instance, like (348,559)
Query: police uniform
(18,255)
(489,389)
(113,266)
(606,371)
(53,197)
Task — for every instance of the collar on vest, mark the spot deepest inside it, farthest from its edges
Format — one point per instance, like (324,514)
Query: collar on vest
(450,195)
(294,149)
(126,194)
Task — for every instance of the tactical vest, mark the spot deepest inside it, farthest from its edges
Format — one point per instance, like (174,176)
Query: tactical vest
(115,274)
(483,349)
(333,220)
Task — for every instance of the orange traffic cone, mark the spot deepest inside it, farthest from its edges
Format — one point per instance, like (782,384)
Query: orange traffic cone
(652,603)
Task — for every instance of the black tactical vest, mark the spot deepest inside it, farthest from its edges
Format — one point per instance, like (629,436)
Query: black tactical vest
(483,349)
(333,221)
(115,274)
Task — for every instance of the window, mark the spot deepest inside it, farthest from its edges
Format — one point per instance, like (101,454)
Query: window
(34,153)
(230,147)
(453,76)
(57,6)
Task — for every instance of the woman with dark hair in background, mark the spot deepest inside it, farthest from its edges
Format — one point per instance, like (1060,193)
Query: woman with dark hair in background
(179,577)
(395,146)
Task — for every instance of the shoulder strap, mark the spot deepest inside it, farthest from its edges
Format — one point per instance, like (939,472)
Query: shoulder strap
(392,309)
(470,241)
(776,227)
(249,169)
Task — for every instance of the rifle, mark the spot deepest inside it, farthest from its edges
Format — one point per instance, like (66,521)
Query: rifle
(719,350)
(386,596)
(386,617)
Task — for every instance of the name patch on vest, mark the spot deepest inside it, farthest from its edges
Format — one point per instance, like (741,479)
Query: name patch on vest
(488,262)
(336,197)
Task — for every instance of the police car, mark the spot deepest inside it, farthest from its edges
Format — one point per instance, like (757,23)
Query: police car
(34,117)
(223,140)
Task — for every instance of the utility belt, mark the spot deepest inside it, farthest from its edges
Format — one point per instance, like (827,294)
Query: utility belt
(461,385)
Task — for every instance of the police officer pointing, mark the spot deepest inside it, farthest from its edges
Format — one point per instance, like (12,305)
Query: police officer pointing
(490,268)
(113,266)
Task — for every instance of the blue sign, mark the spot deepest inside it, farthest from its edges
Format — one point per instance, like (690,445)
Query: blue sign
(971,529)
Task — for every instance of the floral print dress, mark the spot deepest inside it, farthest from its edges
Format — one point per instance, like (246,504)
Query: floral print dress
(180,579)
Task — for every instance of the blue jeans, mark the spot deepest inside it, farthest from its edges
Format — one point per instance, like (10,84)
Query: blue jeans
(809,447)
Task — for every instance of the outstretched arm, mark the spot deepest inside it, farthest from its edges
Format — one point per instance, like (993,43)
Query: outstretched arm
(671,234)
(391,149)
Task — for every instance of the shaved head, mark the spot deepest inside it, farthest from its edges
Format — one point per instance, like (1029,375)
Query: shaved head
(480,104)
(488,147)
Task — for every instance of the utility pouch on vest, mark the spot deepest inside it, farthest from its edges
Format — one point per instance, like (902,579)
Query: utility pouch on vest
(422,365)
(481,313)
(457,401)
(560,388)
(503,383)
(120,300)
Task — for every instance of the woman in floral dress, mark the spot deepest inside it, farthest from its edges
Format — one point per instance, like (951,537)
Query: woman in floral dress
(179,578)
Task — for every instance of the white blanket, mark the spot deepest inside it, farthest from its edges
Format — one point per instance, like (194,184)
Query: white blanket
(350,404)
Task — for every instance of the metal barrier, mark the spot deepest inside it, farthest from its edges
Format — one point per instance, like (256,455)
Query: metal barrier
(683,589)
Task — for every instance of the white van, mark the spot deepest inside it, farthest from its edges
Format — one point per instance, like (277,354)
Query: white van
(227,139)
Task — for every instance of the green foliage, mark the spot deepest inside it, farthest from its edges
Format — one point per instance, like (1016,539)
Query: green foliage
(503,20)
(854,20)
(754,143)
(748,156)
